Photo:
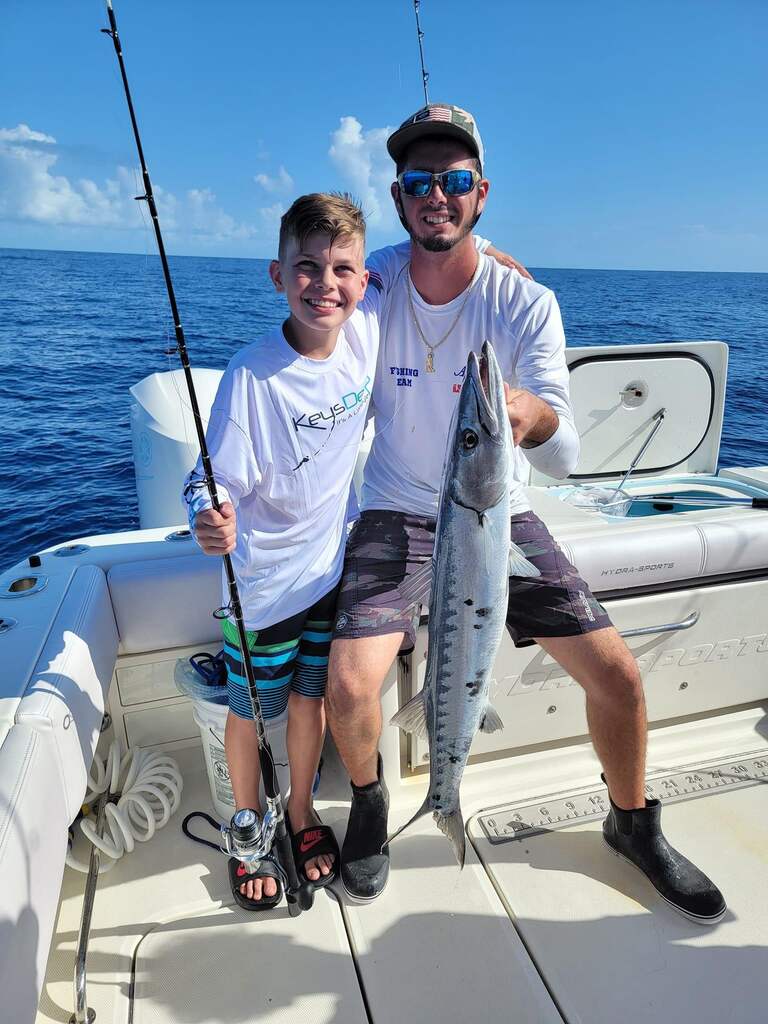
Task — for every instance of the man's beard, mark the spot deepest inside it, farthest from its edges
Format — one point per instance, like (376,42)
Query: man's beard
(432,244)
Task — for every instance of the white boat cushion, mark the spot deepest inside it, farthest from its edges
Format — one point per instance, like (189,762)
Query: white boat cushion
(166,602)
(736,544)
(33,844)
(66,691)
(616,555)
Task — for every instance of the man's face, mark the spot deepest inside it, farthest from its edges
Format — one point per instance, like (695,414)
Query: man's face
(438,222)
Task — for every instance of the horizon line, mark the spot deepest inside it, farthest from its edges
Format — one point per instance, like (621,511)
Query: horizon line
(267,259)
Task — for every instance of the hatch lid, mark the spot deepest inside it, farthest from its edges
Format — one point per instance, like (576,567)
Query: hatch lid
(617,390)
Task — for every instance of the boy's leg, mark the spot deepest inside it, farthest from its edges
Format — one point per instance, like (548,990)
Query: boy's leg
(273,651)
(306,732)
(306,722)
(242,750)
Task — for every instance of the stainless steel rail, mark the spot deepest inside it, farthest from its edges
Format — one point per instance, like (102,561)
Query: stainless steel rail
(83,1014)
(667,627)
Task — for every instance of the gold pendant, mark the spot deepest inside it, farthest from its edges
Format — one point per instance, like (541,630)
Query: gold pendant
(430,367)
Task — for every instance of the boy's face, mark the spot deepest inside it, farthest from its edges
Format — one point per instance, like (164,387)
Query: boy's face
(323,283)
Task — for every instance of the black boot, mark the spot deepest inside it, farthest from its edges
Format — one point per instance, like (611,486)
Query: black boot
(364,867)
(637,837)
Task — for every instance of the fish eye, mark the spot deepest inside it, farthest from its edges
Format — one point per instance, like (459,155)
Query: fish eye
(469,440)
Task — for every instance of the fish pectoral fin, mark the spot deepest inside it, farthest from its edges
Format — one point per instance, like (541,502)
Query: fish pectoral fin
(416,587)
(452,826)
(419,814)
(491,720)
(519,564)
(411,717)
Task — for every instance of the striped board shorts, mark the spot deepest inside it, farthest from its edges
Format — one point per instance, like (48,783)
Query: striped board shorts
(289,657)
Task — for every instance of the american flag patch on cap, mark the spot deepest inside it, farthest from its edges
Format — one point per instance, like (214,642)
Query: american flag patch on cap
(458,123)
(433,113)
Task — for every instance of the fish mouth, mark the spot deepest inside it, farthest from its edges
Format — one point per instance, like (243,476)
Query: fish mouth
(484,370)
(484,377)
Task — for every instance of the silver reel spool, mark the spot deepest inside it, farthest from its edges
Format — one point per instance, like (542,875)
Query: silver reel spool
(249,837)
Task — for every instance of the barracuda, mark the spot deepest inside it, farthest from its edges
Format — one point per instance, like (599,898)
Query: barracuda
(469,573)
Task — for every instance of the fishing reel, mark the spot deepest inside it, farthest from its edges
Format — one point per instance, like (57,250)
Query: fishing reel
(249,837)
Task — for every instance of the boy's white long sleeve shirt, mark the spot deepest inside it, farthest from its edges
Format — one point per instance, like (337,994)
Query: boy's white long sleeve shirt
(283,437)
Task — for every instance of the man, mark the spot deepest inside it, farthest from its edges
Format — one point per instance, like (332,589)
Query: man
(448,300)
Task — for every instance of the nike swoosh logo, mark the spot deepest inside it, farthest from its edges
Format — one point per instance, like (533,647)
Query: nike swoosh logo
(310,840)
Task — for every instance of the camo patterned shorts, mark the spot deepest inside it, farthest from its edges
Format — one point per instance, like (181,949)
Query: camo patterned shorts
(384,547)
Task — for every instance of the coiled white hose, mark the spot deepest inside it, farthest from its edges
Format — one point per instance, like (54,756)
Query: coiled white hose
(150,786)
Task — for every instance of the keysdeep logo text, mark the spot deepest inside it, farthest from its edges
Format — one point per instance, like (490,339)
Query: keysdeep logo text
(350,403)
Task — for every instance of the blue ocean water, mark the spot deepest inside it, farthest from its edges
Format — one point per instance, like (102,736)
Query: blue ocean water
(77,329)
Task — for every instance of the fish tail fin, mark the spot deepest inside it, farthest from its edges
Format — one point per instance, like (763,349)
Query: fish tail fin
(519,564)
(419,814)
(452,826)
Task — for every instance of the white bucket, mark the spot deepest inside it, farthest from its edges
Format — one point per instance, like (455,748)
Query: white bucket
(211,720)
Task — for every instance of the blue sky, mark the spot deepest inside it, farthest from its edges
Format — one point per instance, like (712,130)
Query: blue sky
(619,134)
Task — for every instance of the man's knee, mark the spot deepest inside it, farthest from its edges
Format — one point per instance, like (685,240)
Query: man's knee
(619,677)
(345,691)
(356,671)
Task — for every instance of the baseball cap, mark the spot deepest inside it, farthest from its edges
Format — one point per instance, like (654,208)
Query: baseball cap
(436,119)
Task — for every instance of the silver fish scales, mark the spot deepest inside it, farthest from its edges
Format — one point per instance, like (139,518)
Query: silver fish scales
(469,573)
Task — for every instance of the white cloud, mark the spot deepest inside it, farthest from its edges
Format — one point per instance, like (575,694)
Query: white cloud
(31,191)
(282,182)
(270,216)
(23,133)
(361,157)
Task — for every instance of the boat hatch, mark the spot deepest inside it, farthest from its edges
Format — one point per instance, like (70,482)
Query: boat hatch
(617,394)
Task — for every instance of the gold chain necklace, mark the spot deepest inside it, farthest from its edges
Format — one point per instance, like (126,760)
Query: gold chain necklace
(431,346)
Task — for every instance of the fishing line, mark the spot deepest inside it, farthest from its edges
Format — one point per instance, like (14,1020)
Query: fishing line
(299,895)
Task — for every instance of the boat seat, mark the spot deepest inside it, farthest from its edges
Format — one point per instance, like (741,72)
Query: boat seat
(166,602)
(623,553)
(33,845)
(63,695)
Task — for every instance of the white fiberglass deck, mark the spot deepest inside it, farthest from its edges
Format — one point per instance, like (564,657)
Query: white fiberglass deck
(543,930)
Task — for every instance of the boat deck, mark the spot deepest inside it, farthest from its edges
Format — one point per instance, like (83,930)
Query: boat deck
(548,927)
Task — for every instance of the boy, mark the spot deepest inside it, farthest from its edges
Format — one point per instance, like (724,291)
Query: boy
(283,437)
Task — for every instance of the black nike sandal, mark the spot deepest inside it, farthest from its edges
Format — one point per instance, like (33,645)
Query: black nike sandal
(238,875)
(312,842)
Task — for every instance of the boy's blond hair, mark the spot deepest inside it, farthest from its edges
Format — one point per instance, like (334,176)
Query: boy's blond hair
(336,214)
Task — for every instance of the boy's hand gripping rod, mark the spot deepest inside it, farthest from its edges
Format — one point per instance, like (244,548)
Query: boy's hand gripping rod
(299,894)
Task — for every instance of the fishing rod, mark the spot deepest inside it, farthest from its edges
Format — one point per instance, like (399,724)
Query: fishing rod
(704,502)
(298,894)
(420,34)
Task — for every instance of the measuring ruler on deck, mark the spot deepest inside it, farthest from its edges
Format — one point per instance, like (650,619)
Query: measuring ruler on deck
(521,821)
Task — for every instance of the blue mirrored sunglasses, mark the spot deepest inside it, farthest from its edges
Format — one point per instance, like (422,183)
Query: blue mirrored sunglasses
(453,183)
